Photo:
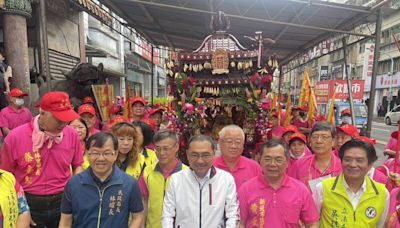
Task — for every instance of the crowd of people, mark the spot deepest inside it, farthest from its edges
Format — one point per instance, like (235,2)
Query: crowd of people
(61,169)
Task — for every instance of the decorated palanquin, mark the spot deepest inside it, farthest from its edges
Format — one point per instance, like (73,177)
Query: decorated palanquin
(221,82)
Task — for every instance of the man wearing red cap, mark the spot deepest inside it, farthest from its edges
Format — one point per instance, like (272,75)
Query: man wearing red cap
(88,114)
(344,133)
(345,116)
(41,154)
(138,108)
(287,132)
(14,114)
(299,121)
(156,115)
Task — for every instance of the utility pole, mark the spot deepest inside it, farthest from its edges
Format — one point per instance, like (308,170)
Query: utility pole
(378,28)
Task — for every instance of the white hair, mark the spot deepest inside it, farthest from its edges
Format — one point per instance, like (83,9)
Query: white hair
(231,127)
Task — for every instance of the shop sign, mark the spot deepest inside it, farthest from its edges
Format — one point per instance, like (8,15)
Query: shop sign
(324,90)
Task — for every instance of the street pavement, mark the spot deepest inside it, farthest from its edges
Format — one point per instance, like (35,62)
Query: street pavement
(381,132)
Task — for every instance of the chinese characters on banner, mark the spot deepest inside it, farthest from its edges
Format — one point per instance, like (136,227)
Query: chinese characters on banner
(324,90)
(368,64)
(104,95)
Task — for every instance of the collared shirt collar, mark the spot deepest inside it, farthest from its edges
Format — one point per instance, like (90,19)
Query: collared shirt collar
(239,165)
(177,167)
(348,189)
(265,184)
(99,183)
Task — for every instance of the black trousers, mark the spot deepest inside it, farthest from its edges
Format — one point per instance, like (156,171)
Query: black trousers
(45,210)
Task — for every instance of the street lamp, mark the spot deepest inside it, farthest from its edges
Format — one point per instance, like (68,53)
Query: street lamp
(390,74)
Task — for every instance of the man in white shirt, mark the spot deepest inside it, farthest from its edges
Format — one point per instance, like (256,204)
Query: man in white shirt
(353,199)
(202,196)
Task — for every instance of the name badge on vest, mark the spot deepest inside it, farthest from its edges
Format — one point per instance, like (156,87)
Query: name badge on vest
(370,212)
(313,183)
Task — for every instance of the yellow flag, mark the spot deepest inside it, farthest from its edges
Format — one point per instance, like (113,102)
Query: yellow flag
(274,101)
(127,106)
(288,113)
(305,90)
(312,106)
(331,114)
(279,112)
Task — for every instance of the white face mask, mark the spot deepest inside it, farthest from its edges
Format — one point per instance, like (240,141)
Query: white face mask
(19,101)
(346,119)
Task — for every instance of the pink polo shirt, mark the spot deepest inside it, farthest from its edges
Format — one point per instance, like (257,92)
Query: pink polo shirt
(392,220)
(43,172)
(306,169)
(10,118)
(263,206)
(245,169)
(391,144)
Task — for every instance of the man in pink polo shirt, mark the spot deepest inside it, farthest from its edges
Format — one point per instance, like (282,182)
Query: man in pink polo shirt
(231,144)
(273,199)
(311,170)
(14,114)
(41,154)
(88,114)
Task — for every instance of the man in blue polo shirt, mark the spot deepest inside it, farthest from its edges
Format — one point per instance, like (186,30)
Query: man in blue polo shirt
(103,195)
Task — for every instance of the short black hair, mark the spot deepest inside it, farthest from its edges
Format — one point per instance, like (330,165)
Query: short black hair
(203,138)
(274,143)
(324,126)
(165,134)
(147,132)
(356,143)
(99,139)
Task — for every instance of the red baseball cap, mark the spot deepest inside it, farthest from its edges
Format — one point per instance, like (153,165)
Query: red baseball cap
(17,93)
(86,108)
(88,100)
(58,104)
(298,135)
(118,119)
(348,129)
(155,110)
(138,99)
(289,128)
(367,140)
(345,112)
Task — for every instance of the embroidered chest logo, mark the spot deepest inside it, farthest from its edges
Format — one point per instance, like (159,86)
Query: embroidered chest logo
(115,203)
(370,212)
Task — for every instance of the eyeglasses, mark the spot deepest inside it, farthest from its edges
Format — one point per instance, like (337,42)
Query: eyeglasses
(323,137)
(166,148)
(232,141)
(196,156)
(278,160)
(97,155)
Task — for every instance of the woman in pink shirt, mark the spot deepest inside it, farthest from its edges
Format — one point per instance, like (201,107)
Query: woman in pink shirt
(298,147)
(390,148)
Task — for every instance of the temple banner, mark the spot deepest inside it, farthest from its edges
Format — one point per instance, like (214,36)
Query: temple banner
(104,95)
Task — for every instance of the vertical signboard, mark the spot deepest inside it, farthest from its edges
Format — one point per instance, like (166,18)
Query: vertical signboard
(368,65)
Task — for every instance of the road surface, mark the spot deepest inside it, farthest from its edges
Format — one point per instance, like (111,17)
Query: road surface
(381,132)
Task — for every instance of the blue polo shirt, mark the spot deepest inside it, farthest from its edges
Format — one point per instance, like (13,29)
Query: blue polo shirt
(86,197)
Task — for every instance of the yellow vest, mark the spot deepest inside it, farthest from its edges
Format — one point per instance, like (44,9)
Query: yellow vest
(8,199)
(136,170)
(85,162)
(150,157)
(337,210)
(157,186)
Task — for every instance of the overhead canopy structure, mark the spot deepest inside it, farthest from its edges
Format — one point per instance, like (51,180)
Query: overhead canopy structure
(295,25)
